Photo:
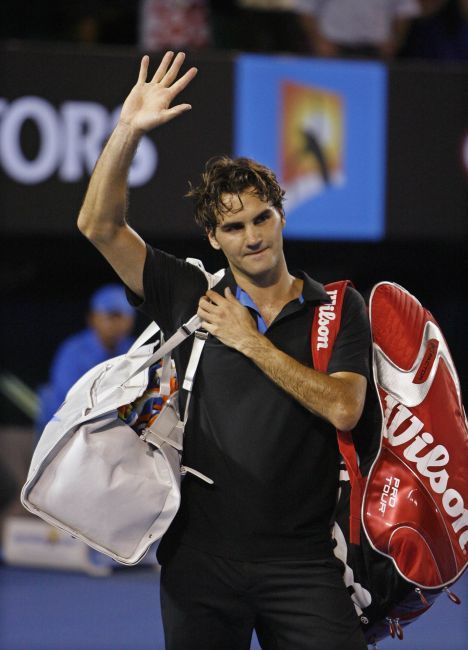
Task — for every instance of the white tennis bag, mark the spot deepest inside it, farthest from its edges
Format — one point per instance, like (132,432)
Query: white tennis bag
(92,475)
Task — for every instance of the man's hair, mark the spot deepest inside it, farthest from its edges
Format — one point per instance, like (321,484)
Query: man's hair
(224,175)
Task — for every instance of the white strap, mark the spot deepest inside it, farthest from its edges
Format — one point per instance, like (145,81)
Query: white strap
(175,437)
(214,278)
(197,349)
(157,439)
(184,331)
(200,338)
(151,330)
(196,262)
(166,373)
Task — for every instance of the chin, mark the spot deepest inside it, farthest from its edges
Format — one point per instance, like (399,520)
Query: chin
(260,270)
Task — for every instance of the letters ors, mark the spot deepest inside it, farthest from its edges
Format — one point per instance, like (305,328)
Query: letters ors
(69,141)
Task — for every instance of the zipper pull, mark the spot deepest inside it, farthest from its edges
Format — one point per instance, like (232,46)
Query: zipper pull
(422,597)
(395,628)
(398,629)
(453,597)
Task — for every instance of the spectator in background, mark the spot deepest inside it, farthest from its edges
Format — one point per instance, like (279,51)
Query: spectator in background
(165,24)
(98,21)
(441,33)
(110,322)
(259,25)
(79,21)
(357,28)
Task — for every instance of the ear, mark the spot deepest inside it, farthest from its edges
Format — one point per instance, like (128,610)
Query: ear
(213,241)
(283,220)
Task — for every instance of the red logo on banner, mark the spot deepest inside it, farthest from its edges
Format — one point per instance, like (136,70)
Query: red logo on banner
(312,136)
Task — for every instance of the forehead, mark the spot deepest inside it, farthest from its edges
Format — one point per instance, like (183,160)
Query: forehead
(102,316)
(241,206)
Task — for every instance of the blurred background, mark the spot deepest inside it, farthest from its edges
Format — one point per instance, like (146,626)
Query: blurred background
(360,107)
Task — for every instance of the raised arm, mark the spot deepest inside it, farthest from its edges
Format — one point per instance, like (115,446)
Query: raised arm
(102,215)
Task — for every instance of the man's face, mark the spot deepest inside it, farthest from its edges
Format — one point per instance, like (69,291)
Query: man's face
(251,236)
(111,328)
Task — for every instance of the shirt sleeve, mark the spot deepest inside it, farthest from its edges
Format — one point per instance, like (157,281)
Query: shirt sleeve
(351,351)
(172,289)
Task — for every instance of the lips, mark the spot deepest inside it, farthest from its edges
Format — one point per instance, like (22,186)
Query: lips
(256,252)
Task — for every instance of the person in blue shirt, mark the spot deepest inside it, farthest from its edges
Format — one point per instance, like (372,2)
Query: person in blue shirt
(110,322)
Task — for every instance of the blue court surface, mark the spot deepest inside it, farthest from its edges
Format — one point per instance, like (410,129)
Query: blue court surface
(55,610)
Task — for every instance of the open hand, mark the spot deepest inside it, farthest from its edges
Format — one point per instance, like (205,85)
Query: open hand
(149,103)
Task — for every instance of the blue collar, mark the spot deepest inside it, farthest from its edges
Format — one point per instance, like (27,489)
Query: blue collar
(244,299)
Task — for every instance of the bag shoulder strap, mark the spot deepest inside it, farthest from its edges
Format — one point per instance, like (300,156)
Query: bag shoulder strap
(326,324)
(198,342)
(325,327)
(184,331)
(153,328)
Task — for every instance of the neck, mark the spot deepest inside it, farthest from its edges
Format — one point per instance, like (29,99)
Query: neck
(109,345)
(274,287)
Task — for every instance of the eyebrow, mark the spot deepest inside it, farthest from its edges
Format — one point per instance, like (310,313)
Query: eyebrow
(231,224)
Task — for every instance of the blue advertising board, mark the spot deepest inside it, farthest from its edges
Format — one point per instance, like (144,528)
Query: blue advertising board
(321,126)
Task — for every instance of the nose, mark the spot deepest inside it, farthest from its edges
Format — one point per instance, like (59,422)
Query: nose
(253,237)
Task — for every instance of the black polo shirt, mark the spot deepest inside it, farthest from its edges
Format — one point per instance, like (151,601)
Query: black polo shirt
(273,463)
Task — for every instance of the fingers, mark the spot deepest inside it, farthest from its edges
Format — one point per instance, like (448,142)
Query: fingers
(204,314)
(206,304)
(171,113)
(169,68)
(165,76)
(163,67)
(167,73)
(213,297)
(181,83)
(143,69)
(171,74)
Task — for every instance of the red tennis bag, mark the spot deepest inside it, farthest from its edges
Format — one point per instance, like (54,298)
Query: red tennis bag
(401,522)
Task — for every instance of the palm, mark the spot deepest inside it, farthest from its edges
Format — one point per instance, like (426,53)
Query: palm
(149,103)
